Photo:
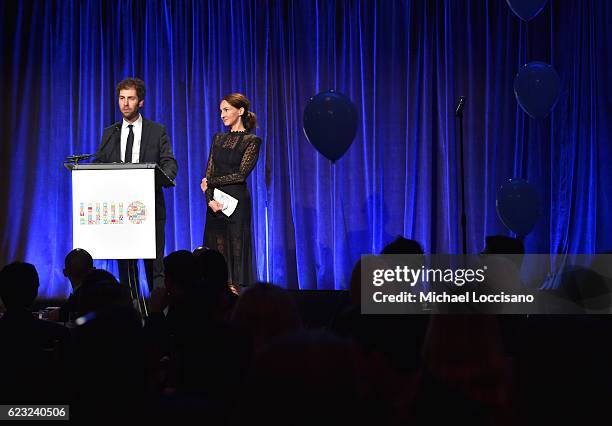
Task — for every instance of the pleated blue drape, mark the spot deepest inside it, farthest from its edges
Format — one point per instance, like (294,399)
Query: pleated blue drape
(404,64)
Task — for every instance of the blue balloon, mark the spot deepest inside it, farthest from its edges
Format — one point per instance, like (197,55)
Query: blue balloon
(526,9)
(537,87)
(330,123)
(518,205)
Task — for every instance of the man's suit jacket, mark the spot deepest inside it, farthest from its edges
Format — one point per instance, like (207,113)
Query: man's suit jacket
(154,148)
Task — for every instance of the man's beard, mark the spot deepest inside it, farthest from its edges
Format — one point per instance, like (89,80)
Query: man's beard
(133,115)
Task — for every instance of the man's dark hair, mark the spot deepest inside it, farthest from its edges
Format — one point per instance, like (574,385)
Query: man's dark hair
(132,83)
(18,285)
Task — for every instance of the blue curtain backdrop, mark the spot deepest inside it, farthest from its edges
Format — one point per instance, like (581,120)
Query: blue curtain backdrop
(403,63)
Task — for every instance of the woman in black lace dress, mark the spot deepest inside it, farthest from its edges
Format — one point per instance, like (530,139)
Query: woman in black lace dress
(232,157)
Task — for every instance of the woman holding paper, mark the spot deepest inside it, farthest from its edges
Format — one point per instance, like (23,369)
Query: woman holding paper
(232,157)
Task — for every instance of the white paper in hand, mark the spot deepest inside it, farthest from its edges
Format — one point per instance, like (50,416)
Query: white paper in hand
(229,202)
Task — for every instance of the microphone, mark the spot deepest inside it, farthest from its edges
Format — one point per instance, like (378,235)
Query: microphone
(78,157)
(460,105)
(116,128)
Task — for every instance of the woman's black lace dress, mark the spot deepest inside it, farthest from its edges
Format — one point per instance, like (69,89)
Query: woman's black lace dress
(232,157)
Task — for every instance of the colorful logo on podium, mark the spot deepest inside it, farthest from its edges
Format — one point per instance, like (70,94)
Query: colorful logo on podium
(136,212)
(112,213)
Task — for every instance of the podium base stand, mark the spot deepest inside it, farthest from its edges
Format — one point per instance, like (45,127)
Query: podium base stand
(135,291)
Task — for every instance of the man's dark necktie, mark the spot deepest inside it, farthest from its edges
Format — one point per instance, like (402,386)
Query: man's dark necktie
(130,145)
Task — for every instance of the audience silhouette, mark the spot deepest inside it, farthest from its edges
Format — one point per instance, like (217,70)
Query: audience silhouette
(206,355)
(77,264)
(33,352)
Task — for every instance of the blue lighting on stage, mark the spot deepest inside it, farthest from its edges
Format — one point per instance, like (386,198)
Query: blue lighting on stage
(403,64)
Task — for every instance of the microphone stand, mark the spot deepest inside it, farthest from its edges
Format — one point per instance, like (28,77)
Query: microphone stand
(459,114)
(73,160)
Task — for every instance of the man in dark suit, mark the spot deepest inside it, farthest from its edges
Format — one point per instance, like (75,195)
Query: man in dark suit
(137,140)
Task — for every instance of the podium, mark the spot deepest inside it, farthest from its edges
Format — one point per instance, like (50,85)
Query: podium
(113,211)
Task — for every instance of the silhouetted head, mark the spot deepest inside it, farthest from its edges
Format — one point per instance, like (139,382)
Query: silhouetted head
(500,244)
(213,268)
(266,311)
(217,298)
(18,285)
(199,250)
(181,274)
(100,290)
(76,264)
(403,245)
